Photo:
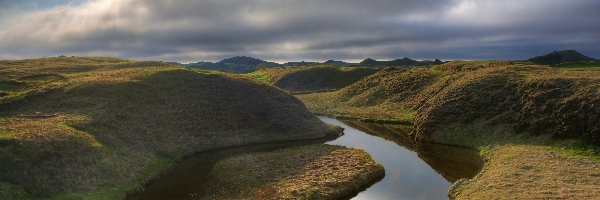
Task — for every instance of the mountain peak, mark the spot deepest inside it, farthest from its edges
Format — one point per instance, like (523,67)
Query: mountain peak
(242,60)
(558,57)
(368,61)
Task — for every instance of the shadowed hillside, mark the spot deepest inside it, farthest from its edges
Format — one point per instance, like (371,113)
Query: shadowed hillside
(99,127)
(312,79)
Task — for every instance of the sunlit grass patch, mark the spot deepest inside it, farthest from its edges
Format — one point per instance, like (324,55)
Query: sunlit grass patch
(309,172)
(260,76)
(531,171)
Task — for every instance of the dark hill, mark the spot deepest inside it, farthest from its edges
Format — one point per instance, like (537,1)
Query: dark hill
(404,62)
(238,64)
(242,60)
(335,62)
(301,63)
(369,61)
(560,57)
(101,127)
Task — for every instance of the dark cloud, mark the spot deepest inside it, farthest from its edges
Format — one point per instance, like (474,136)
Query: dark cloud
(190,30)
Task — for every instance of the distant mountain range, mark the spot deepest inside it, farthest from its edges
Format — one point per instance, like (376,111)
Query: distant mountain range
(560,57)
(301,63)
(404,62)
(245,64)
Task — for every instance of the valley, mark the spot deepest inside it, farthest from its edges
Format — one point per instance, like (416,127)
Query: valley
(299,99)
(109,128)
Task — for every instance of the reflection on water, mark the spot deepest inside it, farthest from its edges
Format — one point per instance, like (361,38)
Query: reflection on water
(413,171)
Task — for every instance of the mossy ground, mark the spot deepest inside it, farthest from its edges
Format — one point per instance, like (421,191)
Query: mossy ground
(497,107)
(95,128)
(524,165)
(322,104)
(308,172)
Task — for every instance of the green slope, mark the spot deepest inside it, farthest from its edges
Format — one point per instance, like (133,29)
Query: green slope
(99,127)
(534,99)
(312,79)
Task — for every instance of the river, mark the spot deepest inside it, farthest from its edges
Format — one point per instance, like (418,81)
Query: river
(413,170)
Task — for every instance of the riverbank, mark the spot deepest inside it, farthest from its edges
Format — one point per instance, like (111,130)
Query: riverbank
(412,172)
(307,172)
(527,166)
(531,172)
(515,166)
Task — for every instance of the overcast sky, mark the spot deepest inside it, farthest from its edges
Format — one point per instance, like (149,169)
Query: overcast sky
(283,30)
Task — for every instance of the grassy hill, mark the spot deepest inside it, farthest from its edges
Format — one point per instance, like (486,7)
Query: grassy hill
(312,79)
(527,98)
(95,128)
(528,121)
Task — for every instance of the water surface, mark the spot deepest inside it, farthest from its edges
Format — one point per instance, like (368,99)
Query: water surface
(408,175)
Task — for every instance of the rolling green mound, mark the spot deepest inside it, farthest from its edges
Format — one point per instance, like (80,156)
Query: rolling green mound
(312,79)
(533,99)
(99,127)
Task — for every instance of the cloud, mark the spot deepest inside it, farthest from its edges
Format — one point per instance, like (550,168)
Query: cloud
(190,30)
